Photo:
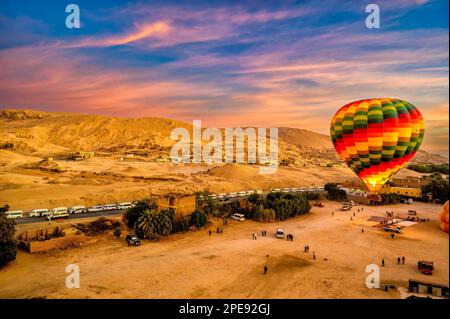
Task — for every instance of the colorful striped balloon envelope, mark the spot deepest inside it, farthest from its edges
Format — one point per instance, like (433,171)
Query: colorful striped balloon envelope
(377,137)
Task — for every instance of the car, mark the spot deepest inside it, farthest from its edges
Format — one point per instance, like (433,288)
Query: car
(14,214)
(112,206)
(77,209)
(132,240)
(125,205)
(238,217)
(279,233)
(319,203)
(426,267)
(345,208)
(39,212)
(94,209)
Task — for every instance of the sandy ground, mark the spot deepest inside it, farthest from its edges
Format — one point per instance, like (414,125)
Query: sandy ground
(230,265)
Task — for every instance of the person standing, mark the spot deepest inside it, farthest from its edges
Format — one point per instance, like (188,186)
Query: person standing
(398,260)
(382,262)
(403,260)
(265,269)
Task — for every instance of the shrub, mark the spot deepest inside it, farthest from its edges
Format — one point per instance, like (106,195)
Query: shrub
(180,225)
(199,218)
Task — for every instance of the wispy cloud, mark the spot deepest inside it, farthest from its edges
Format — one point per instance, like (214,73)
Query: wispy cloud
(231,65)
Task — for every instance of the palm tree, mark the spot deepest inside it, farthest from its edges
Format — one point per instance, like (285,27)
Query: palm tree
(145,227)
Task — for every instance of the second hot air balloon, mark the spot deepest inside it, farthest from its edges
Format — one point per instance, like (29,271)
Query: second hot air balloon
(377,137)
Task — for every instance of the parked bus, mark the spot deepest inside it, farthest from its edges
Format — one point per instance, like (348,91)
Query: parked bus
(94,209)
(14,214)
(77,209)
(39,212)
(58,212)
(124,206)
(111,206)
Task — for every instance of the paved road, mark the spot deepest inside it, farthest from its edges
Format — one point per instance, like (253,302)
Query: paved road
(29,220)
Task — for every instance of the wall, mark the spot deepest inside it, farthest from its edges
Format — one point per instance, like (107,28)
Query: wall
(59,242)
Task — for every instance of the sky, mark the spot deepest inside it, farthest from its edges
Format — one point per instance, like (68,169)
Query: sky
(228,64)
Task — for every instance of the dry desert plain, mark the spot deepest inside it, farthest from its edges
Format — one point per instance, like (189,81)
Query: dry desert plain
(230,265)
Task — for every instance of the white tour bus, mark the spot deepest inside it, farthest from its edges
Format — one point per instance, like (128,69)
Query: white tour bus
(58,212)
(13,214)
(124,206)
(110,207)
(77,209)
(94,209)
(39,212)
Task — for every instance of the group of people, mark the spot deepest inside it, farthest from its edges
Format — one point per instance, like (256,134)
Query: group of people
(264,233)
(400,260)
(290,237)
(219,230)
(306,250)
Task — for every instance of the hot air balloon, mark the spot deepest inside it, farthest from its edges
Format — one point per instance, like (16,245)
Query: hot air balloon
(377,137)
(444,217)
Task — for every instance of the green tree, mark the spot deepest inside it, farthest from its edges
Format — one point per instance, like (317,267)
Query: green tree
(132,215)
(8,245)
(163,222)
(199,218)
(334,192)
(439,188)
(145,227)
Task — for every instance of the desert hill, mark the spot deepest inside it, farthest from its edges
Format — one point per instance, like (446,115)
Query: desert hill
(39,133)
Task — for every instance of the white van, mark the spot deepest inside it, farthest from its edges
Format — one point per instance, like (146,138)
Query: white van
(14,214)
(242,194)
(124,206)
(279,233)
(58,212)
(232,195)
(238,217)
(39,212)
(77,209)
